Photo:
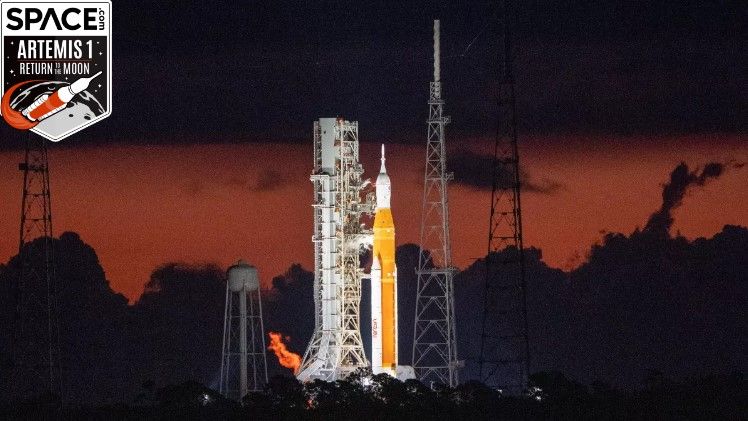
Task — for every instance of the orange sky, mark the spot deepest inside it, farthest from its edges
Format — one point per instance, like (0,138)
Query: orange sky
(140,206)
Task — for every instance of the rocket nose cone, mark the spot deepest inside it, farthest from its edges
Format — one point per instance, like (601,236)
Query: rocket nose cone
(382,169)
(81,84)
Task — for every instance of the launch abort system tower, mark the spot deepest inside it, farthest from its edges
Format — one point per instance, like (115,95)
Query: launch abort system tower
(434,338)
(336,348)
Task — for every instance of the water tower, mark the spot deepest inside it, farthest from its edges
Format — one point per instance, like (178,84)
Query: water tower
(243,362)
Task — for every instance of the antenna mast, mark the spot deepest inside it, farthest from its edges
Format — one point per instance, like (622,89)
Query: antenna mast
(36,348)
(504,361)
(434,338)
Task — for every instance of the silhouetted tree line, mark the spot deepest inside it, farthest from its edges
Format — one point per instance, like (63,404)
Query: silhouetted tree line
(380,397)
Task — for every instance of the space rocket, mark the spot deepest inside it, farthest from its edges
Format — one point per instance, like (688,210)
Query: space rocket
(47,104)
(383,281)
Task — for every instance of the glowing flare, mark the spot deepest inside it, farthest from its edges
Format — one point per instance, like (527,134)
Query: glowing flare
(286,358)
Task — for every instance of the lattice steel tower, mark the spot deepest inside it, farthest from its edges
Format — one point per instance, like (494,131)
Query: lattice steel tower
(434,336)
(36,345)
(504,361)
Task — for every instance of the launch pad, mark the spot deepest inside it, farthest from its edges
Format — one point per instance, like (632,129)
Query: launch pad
(340,237)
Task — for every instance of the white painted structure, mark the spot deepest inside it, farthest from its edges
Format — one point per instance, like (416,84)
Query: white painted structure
(336,349)
(434,330)
(243,361)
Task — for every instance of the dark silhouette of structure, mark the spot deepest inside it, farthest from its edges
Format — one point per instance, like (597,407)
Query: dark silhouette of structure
(36,342)
(504,361)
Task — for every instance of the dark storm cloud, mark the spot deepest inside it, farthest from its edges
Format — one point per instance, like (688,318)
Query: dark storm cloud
(215,72)
(637,304)
(681,179)
(476,170)
(265,181)
(268,181)
(647,302)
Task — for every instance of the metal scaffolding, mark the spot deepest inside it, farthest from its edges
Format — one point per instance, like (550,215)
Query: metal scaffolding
(336,349)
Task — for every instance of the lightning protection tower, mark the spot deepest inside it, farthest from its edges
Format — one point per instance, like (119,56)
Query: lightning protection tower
(434,338)
(504,360)
(36,344)
(336,349)
(243,361)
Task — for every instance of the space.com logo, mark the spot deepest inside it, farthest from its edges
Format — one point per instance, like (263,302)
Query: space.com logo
(27,18)
(56,70)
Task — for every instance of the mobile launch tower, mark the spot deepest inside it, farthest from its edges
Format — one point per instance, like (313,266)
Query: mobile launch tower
(435,338)
(336,349)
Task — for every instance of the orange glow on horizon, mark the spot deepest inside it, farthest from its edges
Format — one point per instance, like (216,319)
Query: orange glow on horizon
(143,206)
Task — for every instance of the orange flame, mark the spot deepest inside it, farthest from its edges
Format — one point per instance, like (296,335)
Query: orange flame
(286,358)
(13,117)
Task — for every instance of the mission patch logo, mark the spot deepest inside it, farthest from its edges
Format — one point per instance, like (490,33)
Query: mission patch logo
(56,70)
